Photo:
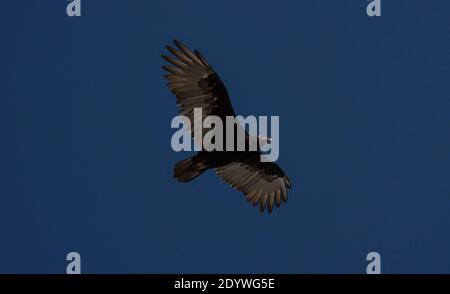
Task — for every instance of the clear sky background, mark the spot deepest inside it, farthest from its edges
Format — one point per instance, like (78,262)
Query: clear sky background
(85,157)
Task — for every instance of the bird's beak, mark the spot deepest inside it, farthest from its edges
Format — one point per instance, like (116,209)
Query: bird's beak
(264,140)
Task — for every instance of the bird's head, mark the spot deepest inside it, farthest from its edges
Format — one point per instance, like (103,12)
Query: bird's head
(264,140)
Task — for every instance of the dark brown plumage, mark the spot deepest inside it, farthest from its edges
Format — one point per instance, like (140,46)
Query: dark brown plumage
(196,85)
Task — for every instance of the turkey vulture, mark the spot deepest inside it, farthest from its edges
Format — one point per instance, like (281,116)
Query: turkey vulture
(196,85)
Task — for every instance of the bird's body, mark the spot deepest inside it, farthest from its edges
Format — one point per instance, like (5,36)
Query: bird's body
(197,85)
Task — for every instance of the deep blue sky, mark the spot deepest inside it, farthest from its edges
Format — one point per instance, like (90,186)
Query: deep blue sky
(85,157)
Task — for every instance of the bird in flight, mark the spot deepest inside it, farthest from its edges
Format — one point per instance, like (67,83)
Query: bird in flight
(197,85)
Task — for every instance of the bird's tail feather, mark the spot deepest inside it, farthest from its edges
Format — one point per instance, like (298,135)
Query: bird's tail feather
(189,168)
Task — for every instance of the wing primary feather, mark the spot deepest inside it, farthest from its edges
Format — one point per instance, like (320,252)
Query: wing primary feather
(174,61)
(283,193)
(179,54)
(271,201)
(172,69)
(257,197)
(188,52)
(263,201)
(278,197)
(202,59)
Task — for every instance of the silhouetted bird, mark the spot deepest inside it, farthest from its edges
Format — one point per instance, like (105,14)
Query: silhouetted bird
(197,85)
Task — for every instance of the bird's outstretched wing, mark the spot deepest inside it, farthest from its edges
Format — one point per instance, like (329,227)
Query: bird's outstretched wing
(261,182)
(196,84)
